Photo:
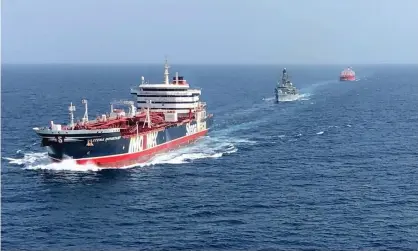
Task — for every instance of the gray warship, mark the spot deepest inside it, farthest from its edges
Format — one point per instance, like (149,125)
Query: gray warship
(285,89)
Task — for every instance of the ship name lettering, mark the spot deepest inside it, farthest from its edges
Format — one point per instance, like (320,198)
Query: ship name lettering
(152,139)
(106,139)
(136,144)
(113,138)
(191,129)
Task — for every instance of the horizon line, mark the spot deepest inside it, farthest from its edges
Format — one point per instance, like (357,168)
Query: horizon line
(200,64)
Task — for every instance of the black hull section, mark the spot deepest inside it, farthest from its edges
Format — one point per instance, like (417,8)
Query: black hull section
(112,144)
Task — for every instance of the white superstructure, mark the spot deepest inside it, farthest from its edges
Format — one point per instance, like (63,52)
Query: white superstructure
(175,96)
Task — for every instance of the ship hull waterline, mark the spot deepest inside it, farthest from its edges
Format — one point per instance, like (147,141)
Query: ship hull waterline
(351,78)
(132,159)
(121,151)
(282,97)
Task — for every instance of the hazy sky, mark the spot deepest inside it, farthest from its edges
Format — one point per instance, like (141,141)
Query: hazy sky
(210,31)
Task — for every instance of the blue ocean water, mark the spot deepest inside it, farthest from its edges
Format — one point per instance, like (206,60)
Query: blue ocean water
(335,169)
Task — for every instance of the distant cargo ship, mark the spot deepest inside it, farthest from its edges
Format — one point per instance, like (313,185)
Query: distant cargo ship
(348,75)
(166,116)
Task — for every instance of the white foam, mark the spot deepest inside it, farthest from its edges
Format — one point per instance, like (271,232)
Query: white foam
(41,161)
(206,147)
(269,99)
(235,126)
(289,98)
(27,159)
(65,165)
(295,97)
(320,133)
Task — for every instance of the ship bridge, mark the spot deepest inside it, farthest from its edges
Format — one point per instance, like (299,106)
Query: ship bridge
(175,95)
(348,72)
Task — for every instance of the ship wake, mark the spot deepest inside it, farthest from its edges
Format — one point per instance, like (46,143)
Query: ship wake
(65,165)
(205,148)
(41,161)
(295,97)
(289,98)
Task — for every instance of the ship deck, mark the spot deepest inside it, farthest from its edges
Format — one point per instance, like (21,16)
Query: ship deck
(126,125)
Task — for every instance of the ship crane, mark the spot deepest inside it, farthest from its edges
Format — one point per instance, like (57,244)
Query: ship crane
(148,118)
(86,116)
(71,109)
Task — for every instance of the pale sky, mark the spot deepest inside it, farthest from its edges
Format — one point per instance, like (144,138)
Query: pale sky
(210,31)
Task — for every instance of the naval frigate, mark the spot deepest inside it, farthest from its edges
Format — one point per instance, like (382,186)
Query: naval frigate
(285,89)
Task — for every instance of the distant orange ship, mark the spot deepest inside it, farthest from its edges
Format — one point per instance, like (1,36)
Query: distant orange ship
(348,75)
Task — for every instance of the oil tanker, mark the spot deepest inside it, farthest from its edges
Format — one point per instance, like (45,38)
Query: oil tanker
(165,116)
(348,75)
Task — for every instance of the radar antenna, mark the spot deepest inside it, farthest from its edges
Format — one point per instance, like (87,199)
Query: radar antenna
(71,109)
(166,74)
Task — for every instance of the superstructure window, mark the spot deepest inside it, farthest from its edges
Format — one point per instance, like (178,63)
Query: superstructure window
(162,90)
(169,96)
(167,102)
(174,108)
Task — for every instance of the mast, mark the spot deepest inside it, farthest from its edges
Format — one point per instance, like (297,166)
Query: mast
(284,76)
(133,109)
(148,115)
(166,74)
(137,130)
(71,109)
(86,116)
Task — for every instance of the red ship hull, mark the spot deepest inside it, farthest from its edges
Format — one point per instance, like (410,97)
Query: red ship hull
(347,78)
(130,159)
